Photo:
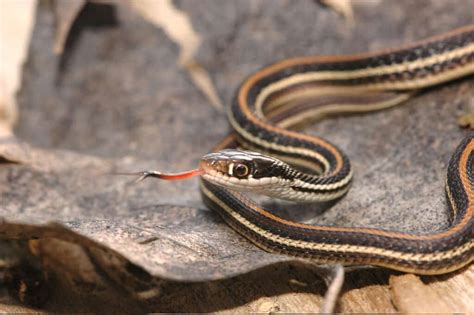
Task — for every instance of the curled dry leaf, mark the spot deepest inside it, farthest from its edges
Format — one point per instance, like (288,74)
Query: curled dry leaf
(65,13)
(163,14)
(14,151)
(343,7)
(203,81)
(176,24)
(16,23)
(155,237)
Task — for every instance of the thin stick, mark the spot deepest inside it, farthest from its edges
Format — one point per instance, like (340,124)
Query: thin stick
(335,281)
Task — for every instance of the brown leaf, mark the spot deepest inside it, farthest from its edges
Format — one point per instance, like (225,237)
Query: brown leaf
(409,291)
(177,25)
(65,12)
(343,7)
(16,24)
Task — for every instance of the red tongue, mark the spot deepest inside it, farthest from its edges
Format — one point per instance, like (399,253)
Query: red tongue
(182,175)
(165,176)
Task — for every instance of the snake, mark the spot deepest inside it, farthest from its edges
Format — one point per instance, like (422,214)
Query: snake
(267,153)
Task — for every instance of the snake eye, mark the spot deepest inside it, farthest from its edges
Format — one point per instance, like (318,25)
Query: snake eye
(240,170)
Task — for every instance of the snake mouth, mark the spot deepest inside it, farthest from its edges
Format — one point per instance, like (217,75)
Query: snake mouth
(213,167)
(233,183)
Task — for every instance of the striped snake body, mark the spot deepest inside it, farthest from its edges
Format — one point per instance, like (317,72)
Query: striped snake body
(275,101)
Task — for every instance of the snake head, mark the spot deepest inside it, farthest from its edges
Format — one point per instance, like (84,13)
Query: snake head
(242,170)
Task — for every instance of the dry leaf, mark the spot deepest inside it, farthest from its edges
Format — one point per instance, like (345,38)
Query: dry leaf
(466,120)
(343,7)
(175,24)
(178,27)
(163,14)
(65,12)
(411,295)
(16,22)
(203,81)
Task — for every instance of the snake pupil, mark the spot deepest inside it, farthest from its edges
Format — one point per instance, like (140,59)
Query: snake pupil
(241,170)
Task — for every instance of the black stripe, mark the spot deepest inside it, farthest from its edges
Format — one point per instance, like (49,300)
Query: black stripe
(454,181)
(269,136)
(359,238)
(309,178)
(417,73)
(332,256)
(319,191)
(389,59)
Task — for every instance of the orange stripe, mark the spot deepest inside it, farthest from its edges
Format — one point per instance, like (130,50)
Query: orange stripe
(355,57)
(244,107)
(247,85)
(467,217)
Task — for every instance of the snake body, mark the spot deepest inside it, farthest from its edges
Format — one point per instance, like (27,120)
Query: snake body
(275,101)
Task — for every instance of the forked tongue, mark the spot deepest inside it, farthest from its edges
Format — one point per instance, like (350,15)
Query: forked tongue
(165,176)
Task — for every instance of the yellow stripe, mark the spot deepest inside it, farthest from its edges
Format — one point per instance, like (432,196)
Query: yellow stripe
(447,260)
(384,70)
(340,248)
(269,145)
(331,109)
